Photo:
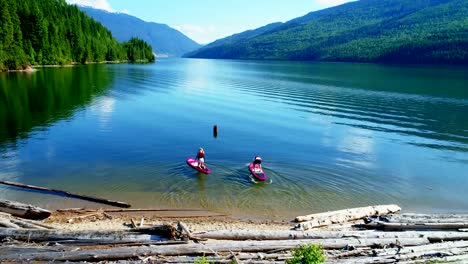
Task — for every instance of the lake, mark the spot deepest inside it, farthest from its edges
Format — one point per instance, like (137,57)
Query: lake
(331,135)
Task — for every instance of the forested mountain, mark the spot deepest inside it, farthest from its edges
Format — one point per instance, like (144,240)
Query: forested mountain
(164,39)
(389,31)
(53,32)
(226,46)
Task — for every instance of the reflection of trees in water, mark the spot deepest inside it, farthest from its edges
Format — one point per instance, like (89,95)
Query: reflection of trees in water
(41,98)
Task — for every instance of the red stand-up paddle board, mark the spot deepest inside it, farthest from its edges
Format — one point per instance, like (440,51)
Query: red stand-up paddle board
(257,172)
(194,164)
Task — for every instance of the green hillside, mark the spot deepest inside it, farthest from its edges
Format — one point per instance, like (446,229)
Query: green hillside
(390,31)
(52,32)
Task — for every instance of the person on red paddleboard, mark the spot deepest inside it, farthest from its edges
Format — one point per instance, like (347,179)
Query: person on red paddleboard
(257,163)
(201,158)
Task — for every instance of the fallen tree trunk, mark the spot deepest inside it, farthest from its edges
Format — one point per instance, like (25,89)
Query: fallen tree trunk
(23,210)
(428,216)
(422,248)
(457,259)
(248,257)
(120,243)
(417,252)
(414,226)
(24,224)
(422,218)
(207,248)
(6,223)
(68,194)
(39,235)
(291,234)
(342,216)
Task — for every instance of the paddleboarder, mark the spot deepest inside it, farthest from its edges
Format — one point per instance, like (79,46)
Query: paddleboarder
(255,168)
(257,162)
(201,158)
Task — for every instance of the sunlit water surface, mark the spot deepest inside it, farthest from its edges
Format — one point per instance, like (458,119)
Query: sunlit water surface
(332,135)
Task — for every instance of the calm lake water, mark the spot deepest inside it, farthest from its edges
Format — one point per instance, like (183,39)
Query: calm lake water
(332,135)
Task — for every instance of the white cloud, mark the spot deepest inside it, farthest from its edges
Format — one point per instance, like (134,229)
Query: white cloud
(329,3)
(200,34)
(98,4)
(125,11)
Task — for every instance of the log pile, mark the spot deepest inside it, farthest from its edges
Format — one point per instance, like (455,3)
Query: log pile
(369,241)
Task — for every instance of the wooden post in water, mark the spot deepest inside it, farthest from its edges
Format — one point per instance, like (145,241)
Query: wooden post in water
(215,131)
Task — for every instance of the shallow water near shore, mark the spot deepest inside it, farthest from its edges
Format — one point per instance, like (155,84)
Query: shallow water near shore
(331,135)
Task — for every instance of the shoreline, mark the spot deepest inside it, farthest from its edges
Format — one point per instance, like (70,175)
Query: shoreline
(33,68)
(373,234)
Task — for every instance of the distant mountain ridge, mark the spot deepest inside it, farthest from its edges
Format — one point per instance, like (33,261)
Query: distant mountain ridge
(386,31)
(164,39)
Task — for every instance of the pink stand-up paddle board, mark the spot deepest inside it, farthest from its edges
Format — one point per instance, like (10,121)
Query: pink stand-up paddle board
(258,173)
(194,164)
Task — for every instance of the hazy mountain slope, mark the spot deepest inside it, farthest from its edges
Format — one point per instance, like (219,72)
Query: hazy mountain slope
(403,31)
(163,39)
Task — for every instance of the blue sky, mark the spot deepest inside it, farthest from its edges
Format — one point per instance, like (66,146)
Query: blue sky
(207,20)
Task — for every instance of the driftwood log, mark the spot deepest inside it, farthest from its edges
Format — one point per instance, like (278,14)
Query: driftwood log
(23,210)
(415,226)
(208,248)
(455,250)
(35,235)
(343,216)
(21,222)
(68,194)
(139,234)
(427,218)
(435,236)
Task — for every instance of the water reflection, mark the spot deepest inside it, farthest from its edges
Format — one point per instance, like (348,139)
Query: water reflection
(36,100)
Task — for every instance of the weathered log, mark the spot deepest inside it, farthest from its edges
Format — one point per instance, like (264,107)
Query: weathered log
(68,194)
(342,216)
(38,235)
(422,218)
(248,257)
(457,259)
(35,223)
(351,253)
(120,243)
(23,210)
(416,252)
(25,224)
(429,216)
(413,226)
(421,248)
(8,224)
(184,230)
(198,249)
(291,234)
